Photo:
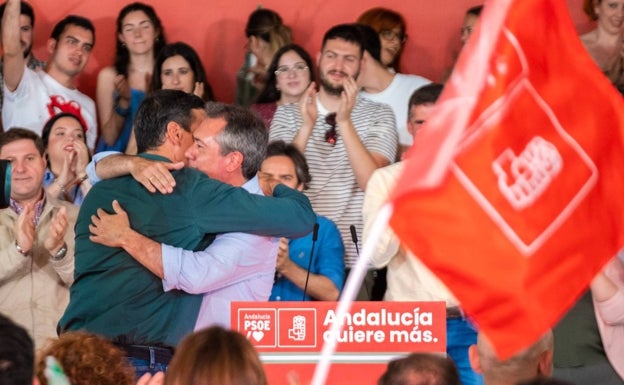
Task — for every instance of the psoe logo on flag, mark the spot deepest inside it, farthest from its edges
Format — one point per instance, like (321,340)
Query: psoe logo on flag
(515,175)
(259,326)
(523,178)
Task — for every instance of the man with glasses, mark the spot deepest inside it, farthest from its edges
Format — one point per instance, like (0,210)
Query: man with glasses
(343,136)
(408,279)
(382,86)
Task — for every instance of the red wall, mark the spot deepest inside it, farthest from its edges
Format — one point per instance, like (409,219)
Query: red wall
(215,28)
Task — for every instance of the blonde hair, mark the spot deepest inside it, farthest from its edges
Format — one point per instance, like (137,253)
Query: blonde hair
(267,25)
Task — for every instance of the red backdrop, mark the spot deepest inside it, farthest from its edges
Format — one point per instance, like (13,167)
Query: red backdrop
(215,29)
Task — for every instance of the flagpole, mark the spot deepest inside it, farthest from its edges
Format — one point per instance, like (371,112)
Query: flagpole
(352,286)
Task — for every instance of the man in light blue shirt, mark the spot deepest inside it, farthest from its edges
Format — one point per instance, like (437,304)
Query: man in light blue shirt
(228,146)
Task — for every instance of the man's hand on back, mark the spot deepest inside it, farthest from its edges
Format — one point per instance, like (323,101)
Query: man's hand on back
(155,175)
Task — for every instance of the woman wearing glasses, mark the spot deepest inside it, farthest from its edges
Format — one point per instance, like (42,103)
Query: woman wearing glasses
(289,74)
(390,26)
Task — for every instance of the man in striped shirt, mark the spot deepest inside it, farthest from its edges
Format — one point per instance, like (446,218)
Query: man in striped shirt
(343,136)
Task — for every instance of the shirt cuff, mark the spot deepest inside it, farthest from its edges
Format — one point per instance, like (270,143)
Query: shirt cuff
(93,177)
(172,262)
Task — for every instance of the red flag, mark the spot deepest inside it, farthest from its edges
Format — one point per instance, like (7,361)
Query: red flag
(513,191)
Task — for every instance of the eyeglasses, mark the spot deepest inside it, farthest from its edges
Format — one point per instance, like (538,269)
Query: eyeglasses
(331,135)
(297,68)
(390,35)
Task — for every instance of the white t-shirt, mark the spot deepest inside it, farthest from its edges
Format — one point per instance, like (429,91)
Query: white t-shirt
(38,97)
(397,95)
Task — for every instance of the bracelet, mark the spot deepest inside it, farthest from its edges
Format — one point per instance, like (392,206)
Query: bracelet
(20,250)
(83,178)
(60,254)
(123,112)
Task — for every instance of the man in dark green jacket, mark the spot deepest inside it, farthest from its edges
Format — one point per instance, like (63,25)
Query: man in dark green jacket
(113,295)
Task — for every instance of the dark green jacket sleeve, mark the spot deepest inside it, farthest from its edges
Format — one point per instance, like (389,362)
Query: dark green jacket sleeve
(221,208)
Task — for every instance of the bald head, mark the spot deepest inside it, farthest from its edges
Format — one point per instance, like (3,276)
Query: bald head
(536,360)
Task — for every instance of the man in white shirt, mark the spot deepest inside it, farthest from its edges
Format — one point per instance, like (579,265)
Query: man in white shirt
(27,24)
(31,98)
(407,277)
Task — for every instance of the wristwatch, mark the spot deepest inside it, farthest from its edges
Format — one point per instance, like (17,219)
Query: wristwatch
(60,254)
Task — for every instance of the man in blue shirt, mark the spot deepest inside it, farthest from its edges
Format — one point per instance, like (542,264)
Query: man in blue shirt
(286,164)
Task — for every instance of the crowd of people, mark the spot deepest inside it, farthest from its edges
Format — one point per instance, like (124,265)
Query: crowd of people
(136,219)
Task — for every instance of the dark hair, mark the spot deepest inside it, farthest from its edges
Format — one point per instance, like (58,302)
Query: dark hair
(270,92)
(244,132)
(157,110)
(122,55)
(281,148)
(188,53)
(215,356)
(25,9)
(267,25)
(382,19)
(78,21)
(370,41)
(347,32)
(476,10)
(427,94)
(437,369)
(589,7)
(16,354)
(16,133)
(47,128)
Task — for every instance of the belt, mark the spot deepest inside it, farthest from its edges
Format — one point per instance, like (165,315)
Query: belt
(454,312)
(158,354)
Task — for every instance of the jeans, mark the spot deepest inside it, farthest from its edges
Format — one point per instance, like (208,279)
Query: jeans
(144,366)
(460,334)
